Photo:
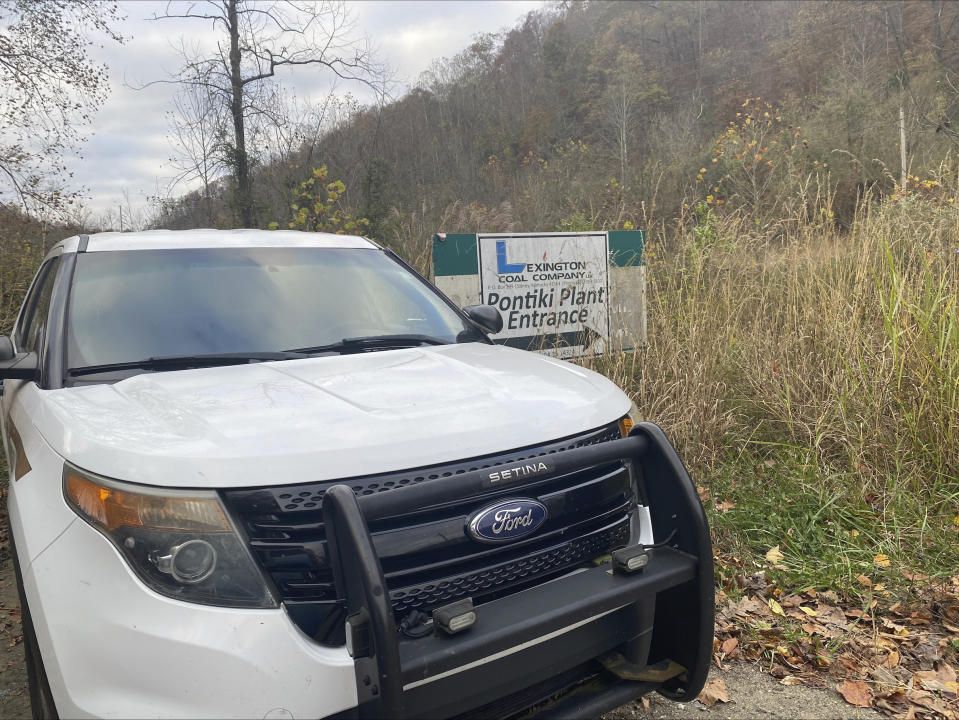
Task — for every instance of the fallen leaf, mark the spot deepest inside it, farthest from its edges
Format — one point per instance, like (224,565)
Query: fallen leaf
(897,696)
(776,607)
(895,627)
(808,611)
(755,582)
(947,673)
(715,691)
(744,606)
(849,662)
(864,580)
(938,681)
(725,505)
(774,555)
(778,671)
(881,560)
(931,703)
(729,646)
(892,659)
(884,677)
(910,714)
(791,680)
(855,692)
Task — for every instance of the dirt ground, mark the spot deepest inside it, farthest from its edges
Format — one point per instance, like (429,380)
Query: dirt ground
(752,693)
(14,699)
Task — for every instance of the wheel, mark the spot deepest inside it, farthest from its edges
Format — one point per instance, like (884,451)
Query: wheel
(41,699)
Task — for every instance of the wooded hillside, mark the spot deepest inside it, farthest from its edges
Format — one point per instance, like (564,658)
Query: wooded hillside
(598,114)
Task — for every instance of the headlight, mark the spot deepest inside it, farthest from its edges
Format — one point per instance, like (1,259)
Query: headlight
(180,543)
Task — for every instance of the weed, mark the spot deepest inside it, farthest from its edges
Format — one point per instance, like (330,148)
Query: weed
(813,380)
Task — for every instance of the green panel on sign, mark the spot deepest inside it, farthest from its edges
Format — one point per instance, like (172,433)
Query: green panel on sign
(625,247)
(455,254)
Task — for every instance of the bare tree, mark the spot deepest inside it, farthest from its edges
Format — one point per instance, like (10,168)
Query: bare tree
(258,39)
(619,114)
(198,132)
(49,88)
(630,91)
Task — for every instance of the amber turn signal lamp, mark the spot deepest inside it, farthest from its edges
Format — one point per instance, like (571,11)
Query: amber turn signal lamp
(112,508)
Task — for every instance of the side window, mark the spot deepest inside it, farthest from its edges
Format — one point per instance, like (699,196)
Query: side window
(37,308)
(28,304)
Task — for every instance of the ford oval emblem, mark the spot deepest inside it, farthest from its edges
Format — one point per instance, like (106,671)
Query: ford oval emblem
(506,521)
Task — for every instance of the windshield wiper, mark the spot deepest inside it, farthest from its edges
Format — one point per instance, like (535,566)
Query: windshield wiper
(181,362)
(371,342)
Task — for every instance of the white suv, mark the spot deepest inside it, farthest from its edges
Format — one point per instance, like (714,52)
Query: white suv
(277,475)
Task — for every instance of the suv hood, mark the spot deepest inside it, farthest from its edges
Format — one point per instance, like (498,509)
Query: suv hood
(324,418)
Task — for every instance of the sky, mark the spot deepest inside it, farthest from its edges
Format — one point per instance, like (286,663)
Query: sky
(126,157)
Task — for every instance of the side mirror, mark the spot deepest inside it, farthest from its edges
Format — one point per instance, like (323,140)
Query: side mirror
(24,366)
(486,317)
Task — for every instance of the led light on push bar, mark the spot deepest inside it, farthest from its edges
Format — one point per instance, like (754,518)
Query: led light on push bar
(455,617)
(358,640)
(630,559)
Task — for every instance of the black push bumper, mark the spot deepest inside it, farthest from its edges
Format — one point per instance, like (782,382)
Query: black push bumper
(539,648)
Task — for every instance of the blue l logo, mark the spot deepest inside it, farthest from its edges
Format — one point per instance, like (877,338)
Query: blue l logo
(503,267)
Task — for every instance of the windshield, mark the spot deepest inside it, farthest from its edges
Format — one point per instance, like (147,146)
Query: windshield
(130,305)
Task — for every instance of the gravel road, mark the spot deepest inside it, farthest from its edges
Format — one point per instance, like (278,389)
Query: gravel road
(752,693)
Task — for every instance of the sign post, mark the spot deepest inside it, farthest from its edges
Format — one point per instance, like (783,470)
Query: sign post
(564,294)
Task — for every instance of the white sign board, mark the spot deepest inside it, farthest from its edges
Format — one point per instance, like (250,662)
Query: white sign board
(552,290)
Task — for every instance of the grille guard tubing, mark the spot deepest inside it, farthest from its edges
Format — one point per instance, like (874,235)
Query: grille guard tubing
(683,623)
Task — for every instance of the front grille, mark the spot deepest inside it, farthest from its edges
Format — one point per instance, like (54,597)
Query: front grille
(511,572)
(427,556)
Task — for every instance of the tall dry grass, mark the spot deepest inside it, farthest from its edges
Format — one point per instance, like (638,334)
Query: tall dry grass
(840,346)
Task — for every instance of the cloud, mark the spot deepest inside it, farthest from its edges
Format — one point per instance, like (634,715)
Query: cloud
(414,34)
